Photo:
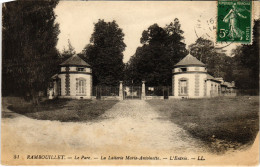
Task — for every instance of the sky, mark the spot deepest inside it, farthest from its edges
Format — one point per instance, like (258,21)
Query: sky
(77,18)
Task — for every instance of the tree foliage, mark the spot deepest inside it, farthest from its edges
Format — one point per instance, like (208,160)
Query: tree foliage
(105,53)
(202,49)
(70,50)
(218,64)
(246,62)
(29,46)
(67,53)
(162,47)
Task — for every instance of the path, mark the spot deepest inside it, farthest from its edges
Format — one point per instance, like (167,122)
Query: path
(144,128)
(130,126)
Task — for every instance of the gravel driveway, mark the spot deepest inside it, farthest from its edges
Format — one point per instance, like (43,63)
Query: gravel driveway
(131,126)
(143,128)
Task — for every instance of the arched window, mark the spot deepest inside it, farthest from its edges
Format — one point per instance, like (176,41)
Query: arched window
(183,86)
(81,86)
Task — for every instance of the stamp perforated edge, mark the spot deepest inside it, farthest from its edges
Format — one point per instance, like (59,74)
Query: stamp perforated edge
(253,17)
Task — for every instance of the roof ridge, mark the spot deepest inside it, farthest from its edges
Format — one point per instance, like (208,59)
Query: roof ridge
(189,60)
(74,60)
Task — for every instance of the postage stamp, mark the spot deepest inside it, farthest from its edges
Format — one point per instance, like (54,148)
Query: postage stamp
(234,21)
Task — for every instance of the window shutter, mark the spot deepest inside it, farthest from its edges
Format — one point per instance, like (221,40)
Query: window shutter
(84,86)
(77,85)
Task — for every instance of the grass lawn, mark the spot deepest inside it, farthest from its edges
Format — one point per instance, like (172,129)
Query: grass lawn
(64,110)
(223,123)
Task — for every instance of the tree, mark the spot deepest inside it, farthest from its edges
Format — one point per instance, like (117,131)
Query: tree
(218,64)
(67,53)
(29,46)
(105,53)
(161,49)
(246,59)
(202,49)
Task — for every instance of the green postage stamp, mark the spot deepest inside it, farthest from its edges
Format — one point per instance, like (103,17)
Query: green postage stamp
(234,21)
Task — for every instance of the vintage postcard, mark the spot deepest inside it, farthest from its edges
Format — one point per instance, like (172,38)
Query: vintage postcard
(130,83)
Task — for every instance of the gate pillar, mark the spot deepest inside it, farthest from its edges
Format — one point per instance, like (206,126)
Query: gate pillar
(121,90)
(143,90)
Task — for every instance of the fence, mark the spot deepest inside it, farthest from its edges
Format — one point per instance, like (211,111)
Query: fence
(247,92)
(132,92)
(154,92)
(161,92)
(105,92)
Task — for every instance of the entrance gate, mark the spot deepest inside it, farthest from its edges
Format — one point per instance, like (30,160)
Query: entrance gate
(132,92)
(159,91)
